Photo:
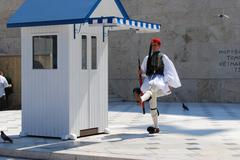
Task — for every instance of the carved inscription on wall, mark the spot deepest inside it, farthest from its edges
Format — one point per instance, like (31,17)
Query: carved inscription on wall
(230,59)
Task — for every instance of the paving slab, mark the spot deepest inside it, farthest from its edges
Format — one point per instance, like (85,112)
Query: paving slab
(207,131)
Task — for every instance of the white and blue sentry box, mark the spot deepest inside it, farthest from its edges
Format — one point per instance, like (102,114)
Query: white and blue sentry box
(64,51)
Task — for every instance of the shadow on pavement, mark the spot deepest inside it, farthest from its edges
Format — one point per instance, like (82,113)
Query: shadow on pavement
(123,136)
(213,111)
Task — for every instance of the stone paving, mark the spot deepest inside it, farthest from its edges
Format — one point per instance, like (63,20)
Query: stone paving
(208,131)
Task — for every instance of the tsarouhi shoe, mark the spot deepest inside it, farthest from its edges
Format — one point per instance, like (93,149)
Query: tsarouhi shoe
(152,130)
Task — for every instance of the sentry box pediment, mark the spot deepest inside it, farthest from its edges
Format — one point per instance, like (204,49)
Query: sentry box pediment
(64,51)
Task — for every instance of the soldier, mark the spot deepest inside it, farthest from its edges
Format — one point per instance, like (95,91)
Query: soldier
(160,76)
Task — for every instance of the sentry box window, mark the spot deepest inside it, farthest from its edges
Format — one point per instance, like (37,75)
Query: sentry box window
(45,52)
(84,52)
(94,52)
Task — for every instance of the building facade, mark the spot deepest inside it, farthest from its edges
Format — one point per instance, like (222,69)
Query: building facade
(204,48)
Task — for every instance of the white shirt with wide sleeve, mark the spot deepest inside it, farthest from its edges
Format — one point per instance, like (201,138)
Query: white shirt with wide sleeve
(3,84)
(158,83)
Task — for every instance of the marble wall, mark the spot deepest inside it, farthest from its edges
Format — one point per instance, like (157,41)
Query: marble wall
(204,48)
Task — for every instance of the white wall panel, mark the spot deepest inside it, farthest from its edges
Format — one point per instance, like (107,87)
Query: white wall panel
(45,91)
(88,105)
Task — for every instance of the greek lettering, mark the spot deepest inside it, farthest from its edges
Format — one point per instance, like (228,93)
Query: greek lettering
(230,59)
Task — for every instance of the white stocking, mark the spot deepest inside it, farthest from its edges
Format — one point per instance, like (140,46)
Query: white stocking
(154,110)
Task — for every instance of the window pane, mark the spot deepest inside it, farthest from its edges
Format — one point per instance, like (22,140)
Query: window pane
(84,52)
(45,52)
(94,52)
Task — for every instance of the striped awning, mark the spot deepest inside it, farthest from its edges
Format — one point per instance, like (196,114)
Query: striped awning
(122,24)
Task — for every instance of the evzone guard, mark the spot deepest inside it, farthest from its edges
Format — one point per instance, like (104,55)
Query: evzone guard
(159,77)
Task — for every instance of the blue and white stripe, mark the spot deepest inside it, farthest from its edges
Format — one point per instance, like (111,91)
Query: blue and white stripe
(122,22)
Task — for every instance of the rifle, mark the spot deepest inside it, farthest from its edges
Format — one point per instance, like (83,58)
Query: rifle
(140,80)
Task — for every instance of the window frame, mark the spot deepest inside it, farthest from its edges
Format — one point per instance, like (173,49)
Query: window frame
(54,49)
(84,65)
(94,66)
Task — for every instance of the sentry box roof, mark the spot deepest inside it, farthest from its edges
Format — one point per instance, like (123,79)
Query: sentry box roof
(59,12)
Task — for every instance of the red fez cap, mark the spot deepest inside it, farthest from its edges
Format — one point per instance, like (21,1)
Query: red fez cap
(156,40)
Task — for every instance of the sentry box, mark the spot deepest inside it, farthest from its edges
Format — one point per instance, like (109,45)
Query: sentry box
(64,49)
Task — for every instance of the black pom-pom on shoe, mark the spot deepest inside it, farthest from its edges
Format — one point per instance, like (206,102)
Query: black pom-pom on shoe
(152,130)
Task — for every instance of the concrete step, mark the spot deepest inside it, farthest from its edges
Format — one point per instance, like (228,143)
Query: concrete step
(114,98)
(60,155)
(11,158)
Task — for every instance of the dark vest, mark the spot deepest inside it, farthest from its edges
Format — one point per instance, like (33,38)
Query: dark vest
(155,64)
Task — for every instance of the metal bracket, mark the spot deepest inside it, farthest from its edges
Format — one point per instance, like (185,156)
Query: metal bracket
(105,32)
(75,30)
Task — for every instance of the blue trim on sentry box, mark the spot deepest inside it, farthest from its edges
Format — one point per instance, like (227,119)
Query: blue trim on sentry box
(121,8)
(93,8)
